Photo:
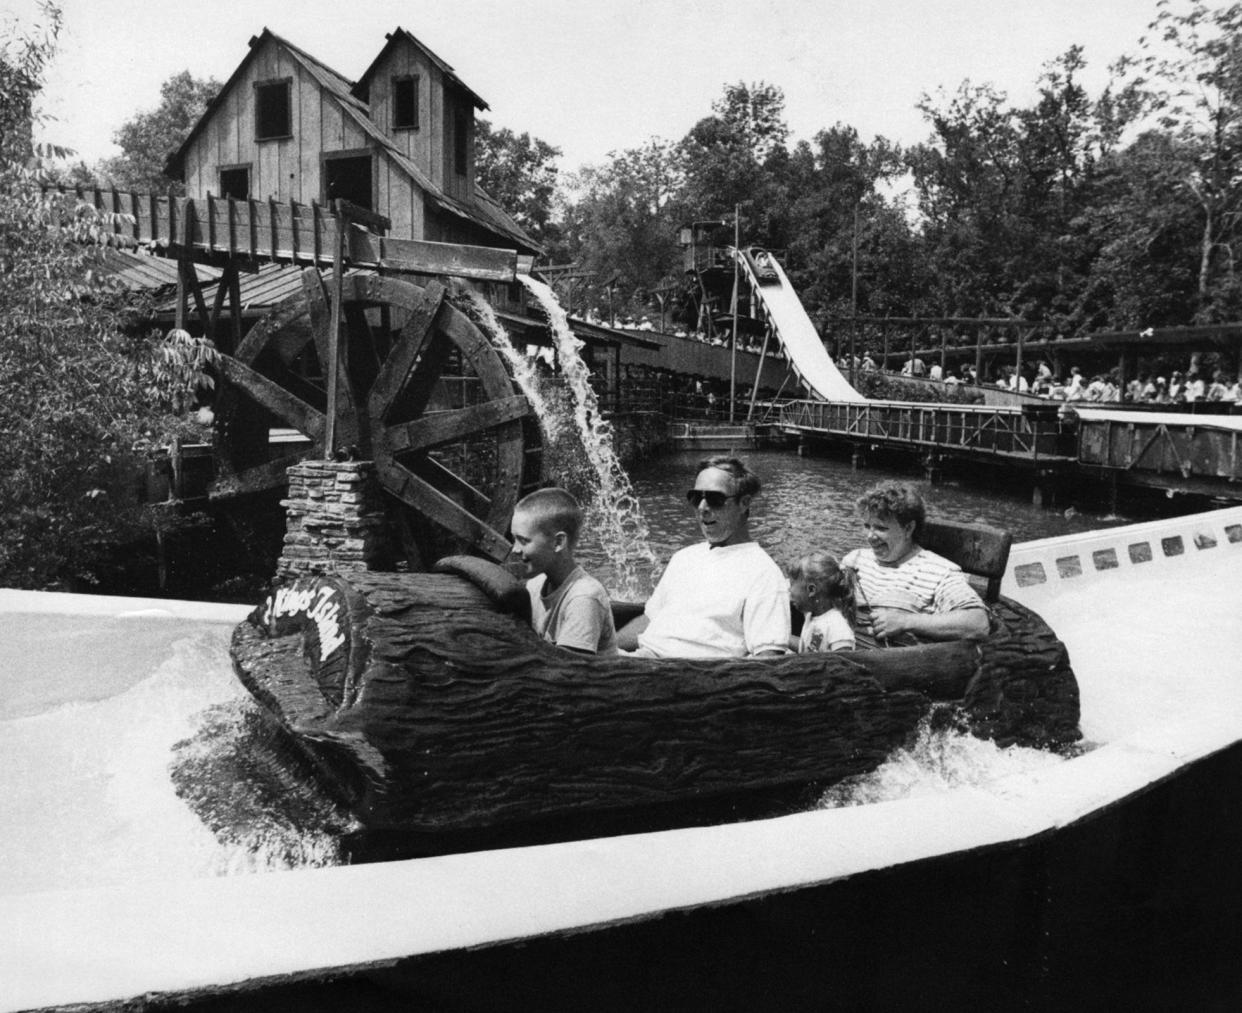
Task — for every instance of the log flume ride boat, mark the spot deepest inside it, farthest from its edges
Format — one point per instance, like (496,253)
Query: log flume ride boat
(430,708)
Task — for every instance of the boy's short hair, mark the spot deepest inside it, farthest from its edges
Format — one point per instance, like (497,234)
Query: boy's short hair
(897,500)
(747,481)
(554,510)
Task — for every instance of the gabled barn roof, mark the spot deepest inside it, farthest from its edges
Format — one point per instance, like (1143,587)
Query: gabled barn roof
(395,38)
(485,213)
(334,82)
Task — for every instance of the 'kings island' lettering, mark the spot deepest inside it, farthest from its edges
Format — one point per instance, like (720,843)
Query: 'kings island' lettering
(321,605)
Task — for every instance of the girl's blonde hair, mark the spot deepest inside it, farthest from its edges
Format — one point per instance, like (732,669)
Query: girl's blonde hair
(838,583)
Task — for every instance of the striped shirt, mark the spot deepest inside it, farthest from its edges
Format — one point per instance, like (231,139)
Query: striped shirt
(924,583)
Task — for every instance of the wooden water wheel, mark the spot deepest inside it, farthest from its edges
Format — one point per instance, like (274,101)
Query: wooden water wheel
(422,392)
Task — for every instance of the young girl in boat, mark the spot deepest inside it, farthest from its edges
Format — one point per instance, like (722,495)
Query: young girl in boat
(823,590)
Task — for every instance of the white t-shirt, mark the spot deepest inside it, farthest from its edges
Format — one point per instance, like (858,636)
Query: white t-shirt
(727,602)
(577,614)
(828,631)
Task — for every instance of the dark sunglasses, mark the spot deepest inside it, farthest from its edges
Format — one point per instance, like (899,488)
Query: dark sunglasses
(715,500)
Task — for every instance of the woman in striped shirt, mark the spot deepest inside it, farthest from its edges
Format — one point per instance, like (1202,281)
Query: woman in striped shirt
(907,594)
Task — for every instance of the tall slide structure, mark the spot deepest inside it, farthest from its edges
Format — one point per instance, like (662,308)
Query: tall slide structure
(774,297)
(1172,449)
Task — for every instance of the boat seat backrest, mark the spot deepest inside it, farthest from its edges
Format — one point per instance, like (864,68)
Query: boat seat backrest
(980,550)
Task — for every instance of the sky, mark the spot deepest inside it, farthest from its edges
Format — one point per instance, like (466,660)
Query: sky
(594,77)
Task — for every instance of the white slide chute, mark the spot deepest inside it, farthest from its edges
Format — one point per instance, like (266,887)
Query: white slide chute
(809,360)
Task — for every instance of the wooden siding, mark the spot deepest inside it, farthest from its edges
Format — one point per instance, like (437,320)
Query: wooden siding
(292,168)
(285,169)
(435,128)
(415,144)
(455,184)
(430,146)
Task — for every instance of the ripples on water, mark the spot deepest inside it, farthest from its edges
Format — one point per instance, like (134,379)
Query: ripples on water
(808,503)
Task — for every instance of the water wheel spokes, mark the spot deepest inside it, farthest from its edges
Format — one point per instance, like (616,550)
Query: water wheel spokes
(447,427)
(262,393)
(422,392)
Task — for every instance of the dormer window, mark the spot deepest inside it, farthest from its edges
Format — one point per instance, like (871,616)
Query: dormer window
(405,102)
(273,116)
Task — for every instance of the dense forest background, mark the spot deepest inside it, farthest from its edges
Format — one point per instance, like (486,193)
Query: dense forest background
(1082,212)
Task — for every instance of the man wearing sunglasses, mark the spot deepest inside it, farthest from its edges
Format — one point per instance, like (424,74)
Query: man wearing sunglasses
(724,597)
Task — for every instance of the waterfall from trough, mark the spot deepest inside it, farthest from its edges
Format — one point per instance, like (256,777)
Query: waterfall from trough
(613,512)
(481,312)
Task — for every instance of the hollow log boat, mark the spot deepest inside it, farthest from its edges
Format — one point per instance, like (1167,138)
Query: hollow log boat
(429,707)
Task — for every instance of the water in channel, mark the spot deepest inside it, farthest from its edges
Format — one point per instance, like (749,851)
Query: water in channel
(808,503)
(129,750)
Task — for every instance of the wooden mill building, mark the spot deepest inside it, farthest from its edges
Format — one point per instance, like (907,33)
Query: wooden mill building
(398,142)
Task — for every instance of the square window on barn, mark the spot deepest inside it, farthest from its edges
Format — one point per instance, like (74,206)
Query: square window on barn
(405,103)
(273,116)
(235,182)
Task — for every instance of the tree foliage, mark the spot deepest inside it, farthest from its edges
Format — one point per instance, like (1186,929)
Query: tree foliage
(1187,80)
(726,155)
(519,172)
(82,385)
(149,138)
(623,226)
(1079,211)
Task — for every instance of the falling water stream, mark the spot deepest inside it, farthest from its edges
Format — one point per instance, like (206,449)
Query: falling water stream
(480,310)
(613,513)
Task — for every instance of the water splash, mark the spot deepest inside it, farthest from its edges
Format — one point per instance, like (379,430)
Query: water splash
(480,311)
(112,775)
(260,798)
(939,759)
(613,513)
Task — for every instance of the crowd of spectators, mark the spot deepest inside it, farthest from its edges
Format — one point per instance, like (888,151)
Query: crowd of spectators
(746,342)
(1104,388)
(1145,388)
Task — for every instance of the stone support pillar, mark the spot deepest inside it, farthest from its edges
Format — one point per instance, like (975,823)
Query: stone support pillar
(336,521)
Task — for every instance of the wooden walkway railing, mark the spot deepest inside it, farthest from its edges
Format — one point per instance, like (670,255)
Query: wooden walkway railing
(228,229)
(971,430)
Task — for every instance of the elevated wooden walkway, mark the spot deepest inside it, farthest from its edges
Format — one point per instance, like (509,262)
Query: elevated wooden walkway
(242,235)
(225,229)
(1184,453)
(1036,438)
(1192,454)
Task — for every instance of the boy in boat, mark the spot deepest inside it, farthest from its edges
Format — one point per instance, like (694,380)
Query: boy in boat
(724,597)
(907,594)
(569,607)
